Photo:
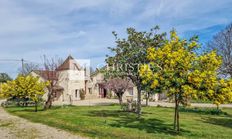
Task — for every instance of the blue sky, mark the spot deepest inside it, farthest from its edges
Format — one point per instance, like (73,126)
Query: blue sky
(82,28)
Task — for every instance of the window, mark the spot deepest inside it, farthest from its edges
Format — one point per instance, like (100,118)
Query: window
(76,93)
(90,90)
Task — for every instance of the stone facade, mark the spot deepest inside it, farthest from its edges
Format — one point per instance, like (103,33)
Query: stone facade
(96,88)
(72,78)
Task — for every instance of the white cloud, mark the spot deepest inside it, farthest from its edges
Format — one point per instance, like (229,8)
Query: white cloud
(187,14)
(83,28)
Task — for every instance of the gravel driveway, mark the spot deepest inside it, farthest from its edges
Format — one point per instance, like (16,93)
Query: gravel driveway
(12,127)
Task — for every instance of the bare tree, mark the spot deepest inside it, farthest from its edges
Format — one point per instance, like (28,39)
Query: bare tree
(51,75)
(28,67)
(222,42)
(118,86)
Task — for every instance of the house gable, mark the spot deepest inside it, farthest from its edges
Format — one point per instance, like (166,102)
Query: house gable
(69,64)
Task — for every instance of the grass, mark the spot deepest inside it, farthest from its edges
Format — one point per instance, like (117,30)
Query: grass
(5,124)
(110,122)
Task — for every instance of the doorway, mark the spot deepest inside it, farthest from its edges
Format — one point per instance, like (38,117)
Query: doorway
(104,93)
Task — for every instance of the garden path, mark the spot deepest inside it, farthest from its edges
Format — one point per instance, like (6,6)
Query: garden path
(13,127)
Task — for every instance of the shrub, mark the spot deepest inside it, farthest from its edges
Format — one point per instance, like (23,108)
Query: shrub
(109,95)
(130,106)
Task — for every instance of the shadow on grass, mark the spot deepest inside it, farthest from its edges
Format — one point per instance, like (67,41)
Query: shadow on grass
(23,109)
(130,120)
(221,121)
(206,111)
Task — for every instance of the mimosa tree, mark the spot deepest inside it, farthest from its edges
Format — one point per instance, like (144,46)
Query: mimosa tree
(206,80)
(225,91)
(175,67)
(222,93)
(25,87)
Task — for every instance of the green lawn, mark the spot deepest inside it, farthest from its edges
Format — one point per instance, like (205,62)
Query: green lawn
(110,122)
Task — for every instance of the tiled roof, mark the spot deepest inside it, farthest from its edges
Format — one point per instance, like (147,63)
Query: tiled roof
(68,64)
(47,75)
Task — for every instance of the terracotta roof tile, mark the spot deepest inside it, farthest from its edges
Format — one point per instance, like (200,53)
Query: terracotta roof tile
(47,75)
(68,64)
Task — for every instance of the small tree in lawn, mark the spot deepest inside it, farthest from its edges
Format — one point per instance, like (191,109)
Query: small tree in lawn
(129,53)
(50,67)
(118,86)
(36,89)
(25,87)
(177,68)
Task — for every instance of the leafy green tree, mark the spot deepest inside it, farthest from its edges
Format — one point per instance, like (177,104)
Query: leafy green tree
(28,87)
(177,68)
(129,53)
(4,77)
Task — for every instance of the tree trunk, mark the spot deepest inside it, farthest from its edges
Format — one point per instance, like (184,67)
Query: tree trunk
(120,99)
(147,98)
(176,116)
(48,103)
(139,101)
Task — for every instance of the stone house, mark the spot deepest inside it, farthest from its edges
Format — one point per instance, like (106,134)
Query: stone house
(96,86)
(71,78)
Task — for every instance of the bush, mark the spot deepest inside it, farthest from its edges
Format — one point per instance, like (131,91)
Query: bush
(109,95)
(130,106)
(20,103)
(82,94)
